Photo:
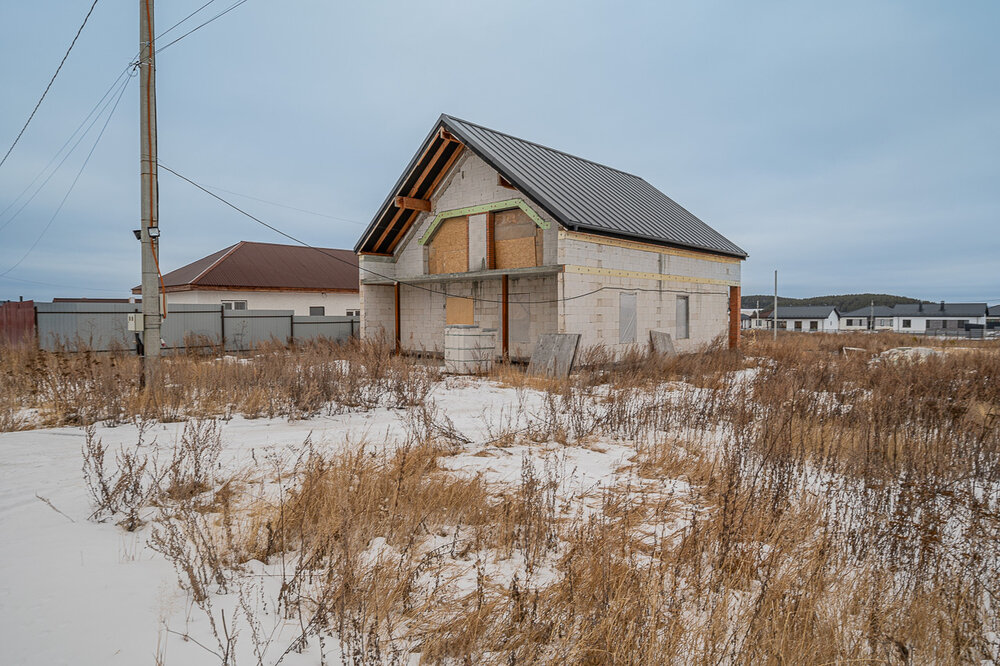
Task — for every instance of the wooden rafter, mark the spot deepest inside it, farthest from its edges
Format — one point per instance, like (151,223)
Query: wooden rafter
(437,179)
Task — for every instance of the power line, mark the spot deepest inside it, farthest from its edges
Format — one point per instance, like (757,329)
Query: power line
(59,152)
(202,25)
(279,205)
(413,285)
(51,81)
(62,286)
(79,173)
(162,34)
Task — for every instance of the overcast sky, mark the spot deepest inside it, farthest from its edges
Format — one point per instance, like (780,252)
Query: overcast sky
(854,146)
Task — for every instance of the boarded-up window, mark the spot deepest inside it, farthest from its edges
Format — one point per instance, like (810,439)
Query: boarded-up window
(519,318)
(459,311)
(517,240)
(448,250)
(626,317)
(682,318)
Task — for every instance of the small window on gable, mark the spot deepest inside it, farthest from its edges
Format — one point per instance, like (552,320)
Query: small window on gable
(516,240)
(448,250)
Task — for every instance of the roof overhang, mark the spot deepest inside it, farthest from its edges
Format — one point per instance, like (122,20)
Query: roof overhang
(407,199)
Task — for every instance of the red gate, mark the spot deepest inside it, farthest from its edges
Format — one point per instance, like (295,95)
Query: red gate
(17,322)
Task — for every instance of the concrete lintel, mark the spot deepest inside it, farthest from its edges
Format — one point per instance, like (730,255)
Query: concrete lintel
(471,275)
(483,208)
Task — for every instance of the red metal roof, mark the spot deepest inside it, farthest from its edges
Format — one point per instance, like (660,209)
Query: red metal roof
(248,265)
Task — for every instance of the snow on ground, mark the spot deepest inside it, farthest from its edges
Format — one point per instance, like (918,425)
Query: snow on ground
(77,592)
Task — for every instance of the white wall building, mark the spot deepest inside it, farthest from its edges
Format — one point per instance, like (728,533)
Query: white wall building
(937,318)
(269,276)
(804,318)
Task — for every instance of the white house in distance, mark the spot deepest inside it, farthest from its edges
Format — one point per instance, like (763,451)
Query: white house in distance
(808,318)
(269,276)
(877,318)
(937,318)
(486,229)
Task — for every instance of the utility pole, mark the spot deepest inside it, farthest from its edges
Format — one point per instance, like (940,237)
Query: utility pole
(774,315)
(149,229)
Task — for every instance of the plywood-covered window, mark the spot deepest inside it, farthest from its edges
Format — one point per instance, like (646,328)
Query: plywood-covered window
(516,240)
(448,250)
(459,311)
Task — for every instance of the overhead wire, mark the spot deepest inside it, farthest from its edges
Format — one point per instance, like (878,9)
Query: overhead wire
(279,205)
(93,110)
(51,81)
(202,25)
(413,285)
(79,173)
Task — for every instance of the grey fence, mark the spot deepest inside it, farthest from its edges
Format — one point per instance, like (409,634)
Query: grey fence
(104,326)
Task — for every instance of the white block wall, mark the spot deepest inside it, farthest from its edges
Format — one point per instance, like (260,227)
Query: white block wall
(335,303)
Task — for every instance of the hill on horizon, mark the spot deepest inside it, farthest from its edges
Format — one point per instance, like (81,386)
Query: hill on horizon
(843,302)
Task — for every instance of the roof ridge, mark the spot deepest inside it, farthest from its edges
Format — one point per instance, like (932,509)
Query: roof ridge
(540,145)
(215,263)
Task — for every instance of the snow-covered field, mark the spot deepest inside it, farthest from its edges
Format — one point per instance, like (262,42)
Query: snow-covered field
(73,591)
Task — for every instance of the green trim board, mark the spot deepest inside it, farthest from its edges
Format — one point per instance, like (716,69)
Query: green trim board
(483,208)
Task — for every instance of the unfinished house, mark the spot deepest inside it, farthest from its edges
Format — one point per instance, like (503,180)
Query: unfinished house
(485,229)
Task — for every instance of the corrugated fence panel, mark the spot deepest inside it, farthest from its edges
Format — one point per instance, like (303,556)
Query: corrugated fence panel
(245,329)
(197,324)
(334,328)
(104,326)
(95,326)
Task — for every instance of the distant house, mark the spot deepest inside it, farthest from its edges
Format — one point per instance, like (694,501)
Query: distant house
(808,318)
(877,318)
(269,276)
(993,317)
(934,318)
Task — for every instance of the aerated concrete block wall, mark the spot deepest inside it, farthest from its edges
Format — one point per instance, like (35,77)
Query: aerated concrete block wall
(471,182)
(597,316)
(422,312)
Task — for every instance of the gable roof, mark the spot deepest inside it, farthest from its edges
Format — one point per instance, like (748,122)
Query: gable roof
(802,312)
(268,266)
(994,311)
(580,194)
(878,311)
(940,310)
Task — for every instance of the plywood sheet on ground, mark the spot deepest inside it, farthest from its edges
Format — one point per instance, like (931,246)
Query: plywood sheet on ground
(662,343)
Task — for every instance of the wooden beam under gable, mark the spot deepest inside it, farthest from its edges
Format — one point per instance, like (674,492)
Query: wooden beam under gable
(410,203)
(434,184)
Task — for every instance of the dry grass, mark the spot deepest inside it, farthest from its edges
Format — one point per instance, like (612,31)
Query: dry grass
(41,389)
(788,505)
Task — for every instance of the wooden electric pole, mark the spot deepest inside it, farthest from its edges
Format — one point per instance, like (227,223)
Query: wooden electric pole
(149,229)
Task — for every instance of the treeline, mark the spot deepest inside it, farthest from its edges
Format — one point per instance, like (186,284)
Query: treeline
(843,302)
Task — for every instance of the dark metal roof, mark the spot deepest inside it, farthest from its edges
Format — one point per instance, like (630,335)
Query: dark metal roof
(580,194)
(802,312)
(994,311)
(940,310)
(269,266)
(878,310)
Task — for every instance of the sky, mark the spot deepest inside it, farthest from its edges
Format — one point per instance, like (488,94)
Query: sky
(852,146)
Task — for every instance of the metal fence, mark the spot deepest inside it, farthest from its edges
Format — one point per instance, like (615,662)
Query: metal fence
(104,326)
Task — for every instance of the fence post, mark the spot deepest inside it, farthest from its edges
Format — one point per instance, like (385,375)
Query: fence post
(291,327)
